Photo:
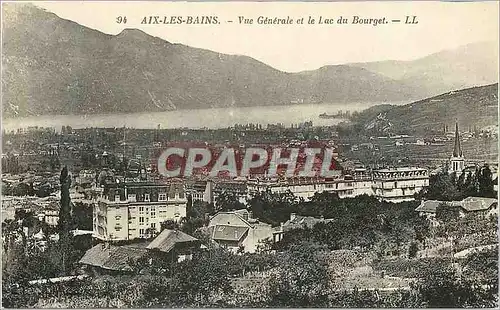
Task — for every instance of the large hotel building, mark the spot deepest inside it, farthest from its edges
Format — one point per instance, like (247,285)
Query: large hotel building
(130,210)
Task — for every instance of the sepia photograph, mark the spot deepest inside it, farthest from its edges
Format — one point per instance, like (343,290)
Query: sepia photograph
(168,154)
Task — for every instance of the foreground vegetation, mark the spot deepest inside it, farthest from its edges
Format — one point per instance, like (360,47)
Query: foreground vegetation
(369,254)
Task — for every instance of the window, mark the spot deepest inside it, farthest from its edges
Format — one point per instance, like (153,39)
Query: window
(141,210)
(141,220)
(117,197)
(146,197)
(118,217)
(141,231)
(153,213)
(153,225)
(162,197)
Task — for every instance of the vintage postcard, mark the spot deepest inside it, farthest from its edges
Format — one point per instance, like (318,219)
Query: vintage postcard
(249,154)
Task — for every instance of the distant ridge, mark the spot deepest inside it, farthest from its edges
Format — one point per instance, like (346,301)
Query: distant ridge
(56,66)
(471,107)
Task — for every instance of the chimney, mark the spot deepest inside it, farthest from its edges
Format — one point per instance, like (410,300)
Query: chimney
(250,215)
(292,216)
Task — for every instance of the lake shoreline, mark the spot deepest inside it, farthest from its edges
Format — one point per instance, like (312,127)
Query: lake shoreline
(193,118)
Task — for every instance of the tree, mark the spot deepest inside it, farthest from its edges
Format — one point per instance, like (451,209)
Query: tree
(483,266)
(485,180)
(443,287)
(169,224)
(412,251)
(82,216)
(206,274)
(446,213)
(227,202)
(442,186)
(302,279)
(65,221)
(22,189)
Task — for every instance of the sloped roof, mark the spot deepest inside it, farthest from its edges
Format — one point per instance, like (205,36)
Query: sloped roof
(112,258)
(239,214)
(428,206)
(167,240)
(231,186)
(477,203)
(469,204)
(457,150)
(299,221)
(228,232)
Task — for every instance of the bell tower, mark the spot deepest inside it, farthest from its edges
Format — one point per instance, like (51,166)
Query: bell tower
(457,160)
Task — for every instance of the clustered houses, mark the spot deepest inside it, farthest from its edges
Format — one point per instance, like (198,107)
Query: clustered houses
(471,205)
(130,210)
(388,184)
(45,209)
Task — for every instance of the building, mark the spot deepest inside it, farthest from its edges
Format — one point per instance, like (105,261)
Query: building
(85,178)
(174,244)
(130,210)
(105,258)
(168,247)
(480,206)
(238,231)
(209,190)
(51,217)
(457,160)
(197,190)
(399,184)
(45,209)
(391,184)
(296,222)
(305,188)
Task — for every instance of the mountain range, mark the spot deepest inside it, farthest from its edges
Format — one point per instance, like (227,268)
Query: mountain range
(57,66)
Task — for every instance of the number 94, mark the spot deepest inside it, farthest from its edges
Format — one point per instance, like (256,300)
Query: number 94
(121,20)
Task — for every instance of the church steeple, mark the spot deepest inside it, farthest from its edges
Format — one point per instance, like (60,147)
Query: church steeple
(457,159)
(457,150)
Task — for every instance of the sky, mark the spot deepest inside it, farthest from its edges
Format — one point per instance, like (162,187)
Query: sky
(292,48)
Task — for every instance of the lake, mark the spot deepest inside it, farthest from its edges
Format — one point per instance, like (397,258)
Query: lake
(196,118)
